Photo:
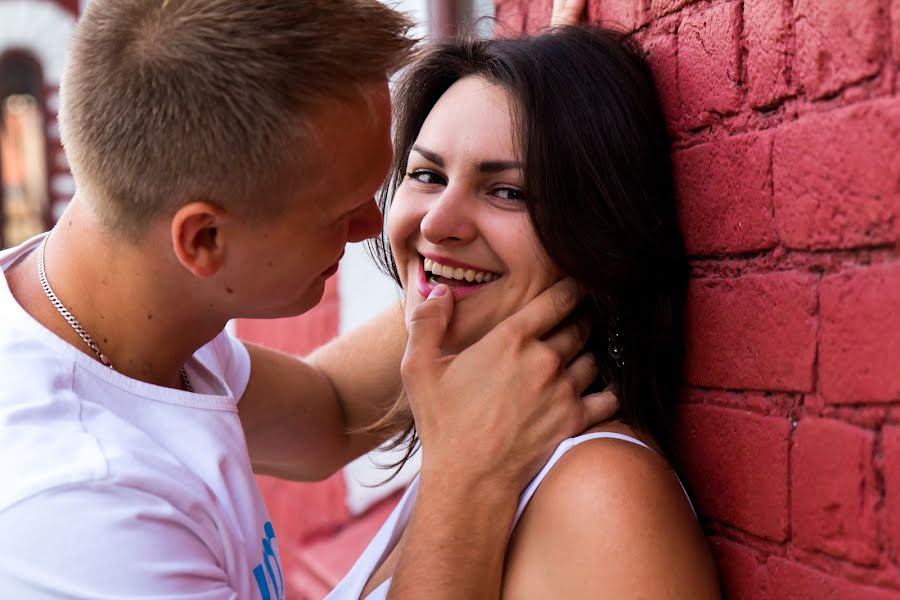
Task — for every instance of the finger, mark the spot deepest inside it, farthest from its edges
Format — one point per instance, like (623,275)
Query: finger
(599,407)
(545,312)
(566,12)
(583,371)
(428,325)
(568,341)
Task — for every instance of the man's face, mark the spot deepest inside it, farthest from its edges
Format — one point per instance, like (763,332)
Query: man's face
(279,267)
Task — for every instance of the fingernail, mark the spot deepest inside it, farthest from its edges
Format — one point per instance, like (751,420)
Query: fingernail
(437,292)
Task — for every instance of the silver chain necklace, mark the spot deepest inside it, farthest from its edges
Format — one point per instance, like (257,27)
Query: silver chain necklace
(71,320)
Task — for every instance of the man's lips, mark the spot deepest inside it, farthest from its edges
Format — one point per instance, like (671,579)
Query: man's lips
(333,268)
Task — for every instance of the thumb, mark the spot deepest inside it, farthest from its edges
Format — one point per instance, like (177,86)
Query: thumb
(428,325)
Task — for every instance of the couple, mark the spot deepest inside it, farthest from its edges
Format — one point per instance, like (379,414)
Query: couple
(224,153)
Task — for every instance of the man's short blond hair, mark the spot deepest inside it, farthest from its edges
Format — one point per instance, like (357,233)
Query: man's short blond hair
(168,101)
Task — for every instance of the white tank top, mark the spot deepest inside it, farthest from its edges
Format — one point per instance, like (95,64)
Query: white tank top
(384,541)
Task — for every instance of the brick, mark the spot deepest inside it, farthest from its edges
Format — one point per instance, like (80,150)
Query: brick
(662,55)
(708,67)
(859,353)
(766,32)
(835,177)
(895,28)
(297,335)
(736,466)
(838,43)
(741,574)
(664,7)
(833,489)
(725,202)
(620,14)
(791,581)
(890,440)
(752,332)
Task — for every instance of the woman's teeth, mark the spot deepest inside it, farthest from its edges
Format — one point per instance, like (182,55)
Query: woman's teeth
(467,275)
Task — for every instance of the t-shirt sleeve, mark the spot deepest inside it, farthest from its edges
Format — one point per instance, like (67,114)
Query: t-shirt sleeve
(234,361)
(105,541)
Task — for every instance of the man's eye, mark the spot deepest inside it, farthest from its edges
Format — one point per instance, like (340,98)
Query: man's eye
(423,176)
(506,193)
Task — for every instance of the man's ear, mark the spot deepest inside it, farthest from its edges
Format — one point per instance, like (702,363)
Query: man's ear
(198,238)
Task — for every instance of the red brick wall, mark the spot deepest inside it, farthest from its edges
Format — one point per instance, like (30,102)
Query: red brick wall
(786,126)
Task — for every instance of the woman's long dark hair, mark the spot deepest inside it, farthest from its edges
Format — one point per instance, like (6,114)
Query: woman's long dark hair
(599,191)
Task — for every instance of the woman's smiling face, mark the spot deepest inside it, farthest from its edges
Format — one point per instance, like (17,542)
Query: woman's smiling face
(459,215)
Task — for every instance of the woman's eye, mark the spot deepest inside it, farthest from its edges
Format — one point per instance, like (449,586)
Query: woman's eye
(506,193)
(423,176)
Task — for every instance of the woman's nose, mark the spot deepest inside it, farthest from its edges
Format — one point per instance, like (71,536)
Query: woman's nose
(449,218)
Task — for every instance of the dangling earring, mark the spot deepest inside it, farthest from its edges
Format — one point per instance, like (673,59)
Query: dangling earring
(615,341)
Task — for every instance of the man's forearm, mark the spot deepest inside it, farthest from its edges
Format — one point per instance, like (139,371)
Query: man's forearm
(363,367)
(299,416)
(455,542)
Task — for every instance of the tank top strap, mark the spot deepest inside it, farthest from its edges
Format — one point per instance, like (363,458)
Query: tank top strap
(560,451)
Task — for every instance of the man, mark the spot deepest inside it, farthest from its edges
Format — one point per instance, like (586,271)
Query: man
(224,152)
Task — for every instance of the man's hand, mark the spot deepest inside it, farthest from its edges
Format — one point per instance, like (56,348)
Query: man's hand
(566,12)
(497,410)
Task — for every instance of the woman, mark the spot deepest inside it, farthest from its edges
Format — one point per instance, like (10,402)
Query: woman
(519,162)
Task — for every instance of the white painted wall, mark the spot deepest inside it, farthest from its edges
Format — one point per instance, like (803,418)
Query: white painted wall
(41,27)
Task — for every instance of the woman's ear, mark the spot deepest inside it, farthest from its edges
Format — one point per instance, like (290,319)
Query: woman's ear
(198,238)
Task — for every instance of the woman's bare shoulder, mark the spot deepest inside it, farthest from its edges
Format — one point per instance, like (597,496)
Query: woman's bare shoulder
(611,519)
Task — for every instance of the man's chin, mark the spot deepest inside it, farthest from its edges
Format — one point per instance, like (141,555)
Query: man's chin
(309,300)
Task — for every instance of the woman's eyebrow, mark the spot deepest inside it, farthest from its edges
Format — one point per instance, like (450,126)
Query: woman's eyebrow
(497,166)
(488,166)
(429,155)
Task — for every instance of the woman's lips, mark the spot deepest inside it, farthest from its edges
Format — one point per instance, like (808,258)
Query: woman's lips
(459,292)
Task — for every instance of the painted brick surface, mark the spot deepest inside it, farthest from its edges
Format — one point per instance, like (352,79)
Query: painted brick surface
(622,14)
(736,465)
(838,43)
(835,177)
(792,581)
(859,357)
(833,479)
(890,460)
(786,143)
(895,27)
(756,331)
(660,8)
(766,31)
(732,212)
(662,54)
(742,575)
(708,67)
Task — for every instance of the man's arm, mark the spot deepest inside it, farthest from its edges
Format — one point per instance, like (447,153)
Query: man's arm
(296,413)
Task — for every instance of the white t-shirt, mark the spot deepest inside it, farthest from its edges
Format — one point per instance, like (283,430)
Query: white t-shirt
(114,488)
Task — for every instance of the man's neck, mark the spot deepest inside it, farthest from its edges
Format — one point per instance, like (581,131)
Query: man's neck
(132,299)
